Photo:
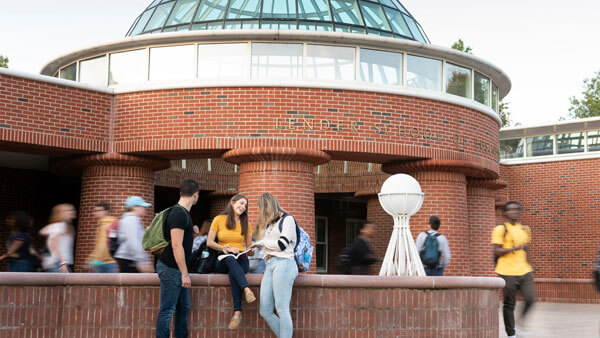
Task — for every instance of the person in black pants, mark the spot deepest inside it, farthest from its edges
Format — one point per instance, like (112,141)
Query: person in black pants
(361,254)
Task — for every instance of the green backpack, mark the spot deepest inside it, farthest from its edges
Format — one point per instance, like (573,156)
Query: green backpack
(154,240)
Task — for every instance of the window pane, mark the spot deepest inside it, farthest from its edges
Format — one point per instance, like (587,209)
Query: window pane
(414,29)
(239,9)
(172,63)
(539,145)
(69,72)
(569,143)
(388,3)
(374,17)
(346,11)
(482,89)
(211,10)
(142,22)
(276,60)
(321,233)
(127,67)
(314,10)
(223,61)
(329,62)
(183,12)
(321,252)
(94,71)
(593,140)
(380,67)
(283,9)
(511,148)
(458,80)
(159,17)
(423,73)
(494,97)
(398,24)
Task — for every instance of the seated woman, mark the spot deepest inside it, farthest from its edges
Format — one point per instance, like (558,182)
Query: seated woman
(234,235)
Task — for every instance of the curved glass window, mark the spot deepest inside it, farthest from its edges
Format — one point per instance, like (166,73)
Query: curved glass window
(223,61)
(593,140)
(127,67)
(422,72)
(570,143)
(276,60)
(374,17)
(243,9)
(414,29)
(380,67)
(397,22)
(346,11)
(482,89)
(458,80)
(69,72)
(283,9)
(329,62)
(94,71)
(182,12)
(141,23)
(512,148)
(314,10)
(211,10)
(495,97)
(159,17)
(172,63)
(540,145)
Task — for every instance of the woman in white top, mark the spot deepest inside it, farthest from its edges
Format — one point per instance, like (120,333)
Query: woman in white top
(282,270)
(61,236)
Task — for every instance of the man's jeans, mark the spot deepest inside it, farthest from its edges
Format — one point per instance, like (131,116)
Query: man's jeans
(434,271)
(173,299)
(513,284)
(276,292)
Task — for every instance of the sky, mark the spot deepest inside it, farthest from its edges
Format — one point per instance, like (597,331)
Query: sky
(547,48)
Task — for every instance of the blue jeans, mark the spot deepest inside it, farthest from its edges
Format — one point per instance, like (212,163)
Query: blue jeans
(276,292)
(20,265)
(434,271)
(237,269)
(173,299)
(259,266)
(106,268)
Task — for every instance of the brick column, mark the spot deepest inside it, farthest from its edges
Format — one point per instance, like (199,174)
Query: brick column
(384,223)
(288,174)
(481,199)
(444,183)
(218,202)
(111,178)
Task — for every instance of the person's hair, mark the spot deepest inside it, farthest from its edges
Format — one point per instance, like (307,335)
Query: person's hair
(189,187)
(269,210)
(505,207)
(56,215)
(230,223)
(22,220)
(434,221)
(103,205)
(204,228)
(362,225)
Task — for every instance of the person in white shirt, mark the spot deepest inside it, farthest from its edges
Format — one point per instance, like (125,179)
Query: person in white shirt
(282,270)
(130,255)
(443,248)
(61,237)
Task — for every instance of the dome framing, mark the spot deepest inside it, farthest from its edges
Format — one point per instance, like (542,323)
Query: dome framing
(374,17)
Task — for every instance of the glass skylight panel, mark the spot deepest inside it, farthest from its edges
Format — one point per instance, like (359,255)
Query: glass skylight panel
(281,9)
(94,71)
(240,9)
(540,145)
(422,72)
(211,10)
(398,24)
(388,3)
(380,67)
(400,6)
(159,17)
(374,17)
(142,22)
(414,29)
(183,12)
(346,11)
(313,10)
(482,89)
(512,148)
(570,143)
(276,60)
(458,80)
(155,2)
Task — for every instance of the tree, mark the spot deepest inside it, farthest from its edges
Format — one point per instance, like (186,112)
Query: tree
(460,45)
(3,62)
(504,114)
(589,105)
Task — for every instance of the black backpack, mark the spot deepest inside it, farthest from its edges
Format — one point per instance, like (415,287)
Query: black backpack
(204,259)
(344,262)
(430,254)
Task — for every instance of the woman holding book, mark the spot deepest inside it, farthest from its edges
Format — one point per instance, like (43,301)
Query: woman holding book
(276,286)
(234,235)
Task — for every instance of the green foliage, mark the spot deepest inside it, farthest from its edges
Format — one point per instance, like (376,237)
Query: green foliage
(505,115)
(460,45)
(3,62)
(589,105)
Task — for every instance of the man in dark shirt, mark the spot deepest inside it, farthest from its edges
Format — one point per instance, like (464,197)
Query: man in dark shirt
(361,253)
(172,265)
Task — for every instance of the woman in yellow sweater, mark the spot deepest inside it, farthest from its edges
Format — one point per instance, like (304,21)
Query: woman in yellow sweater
(234,235)
(100,259)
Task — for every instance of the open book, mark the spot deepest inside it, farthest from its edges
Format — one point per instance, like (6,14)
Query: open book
(222,257)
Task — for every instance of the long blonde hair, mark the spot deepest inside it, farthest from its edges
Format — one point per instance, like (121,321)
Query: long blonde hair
(270,212)
(56,215)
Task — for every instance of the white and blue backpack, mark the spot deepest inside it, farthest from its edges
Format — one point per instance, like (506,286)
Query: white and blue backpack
(303,251)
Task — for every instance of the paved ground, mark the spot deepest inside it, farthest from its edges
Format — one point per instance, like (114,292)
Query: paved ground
(559,320)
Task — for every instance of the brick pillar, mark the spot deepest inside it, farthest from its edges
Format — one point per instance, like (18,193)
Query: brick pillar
(481,198)
(444,183)
(111,178)
(218,202)
(288,174)
(384,226)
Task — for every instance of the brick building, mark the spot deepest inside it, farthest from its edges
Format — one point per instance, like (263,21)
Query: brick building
(317,105)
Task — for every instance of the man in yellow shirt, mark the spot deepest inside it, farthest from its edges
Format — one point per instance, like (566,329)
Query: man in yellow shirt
(511,246)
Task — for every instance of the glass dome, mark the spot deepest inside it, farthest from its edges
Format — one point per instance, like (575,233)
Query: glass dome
(376,17)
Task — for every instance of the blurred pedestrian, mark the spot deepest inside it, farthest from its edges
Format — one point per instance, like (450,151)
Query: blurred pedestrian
(131,256)
(361,253)
(19,242)
(200,235)
(433,249)
(100,259)
(61,237)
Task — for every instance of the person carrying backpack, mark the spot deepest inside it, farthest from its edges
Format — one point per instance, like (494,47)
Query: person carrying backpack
(361,254)
(434,249)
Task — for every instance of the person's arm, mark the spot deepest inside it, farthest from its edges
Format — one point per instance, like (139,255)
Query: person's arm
(179,254)
(445,250)
(288,234)
(212,234)
(16,245)
(362,253)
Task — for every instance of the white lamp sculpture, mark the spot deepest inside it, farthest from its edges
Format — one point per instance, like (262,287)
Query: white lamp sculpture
(401,197)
